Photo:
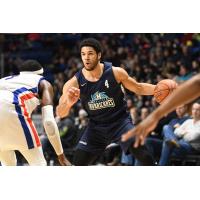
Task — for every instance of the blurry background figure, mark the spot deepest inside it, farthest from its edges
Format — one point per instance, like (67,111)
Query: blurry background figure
(184,139)
(144,113)
(134,115)
(155,143)
(81,122)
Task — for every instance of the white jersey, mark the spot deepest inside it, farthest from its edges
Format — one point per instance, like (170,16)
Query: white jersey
(18,98)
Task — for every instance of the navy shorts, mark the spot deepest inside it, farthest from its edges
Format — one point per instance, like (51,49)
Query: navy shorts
(97,137)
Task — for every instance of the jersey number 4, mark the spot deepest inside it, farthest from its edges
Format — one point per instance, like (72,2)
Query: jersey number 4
(106,84)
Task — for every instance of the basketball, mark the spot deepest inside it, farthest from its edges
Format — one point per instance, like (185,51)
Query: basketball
(163,89)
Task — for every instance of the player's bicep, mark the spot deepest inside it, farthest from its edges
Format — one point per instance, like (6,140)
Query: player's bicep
(120,74)
(122,77)
(63,97)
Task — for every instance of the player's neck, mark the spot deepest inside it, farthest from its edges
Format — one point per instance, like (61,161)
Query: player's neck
(95,74)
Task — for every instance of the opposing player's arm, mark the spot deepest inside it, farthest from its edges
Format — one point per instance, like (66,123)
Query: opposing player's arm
(49,123)
(185,93)
(70,96)
(46,93)
(131,84)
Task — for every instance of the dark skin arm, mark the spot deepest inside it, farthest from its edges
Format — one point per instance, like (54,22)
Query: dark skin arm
(185,93)
(46,94)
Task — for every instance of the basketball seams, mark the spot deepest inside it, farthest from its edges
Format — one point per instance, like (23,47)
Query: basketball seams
(163,89)
(160,97)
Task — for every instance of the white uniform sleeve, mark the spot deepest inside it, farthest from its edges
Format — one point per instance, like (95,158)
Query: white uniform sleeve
(51,128)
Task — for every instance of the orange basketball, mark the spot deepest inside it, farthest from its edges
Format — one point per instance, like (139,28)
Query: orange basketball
(163,89)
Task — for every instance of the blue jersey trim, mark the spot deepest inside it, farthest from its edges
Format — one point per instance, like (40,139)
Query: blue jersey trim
(21,116)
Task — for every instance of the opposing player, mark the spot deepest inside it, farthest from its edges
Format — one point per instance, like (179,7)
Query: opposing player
(98,85)
(19,96)
(185,93)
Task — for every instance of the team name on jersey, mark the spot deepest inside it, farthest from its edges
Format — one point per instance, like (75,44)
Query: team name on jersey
(99,100)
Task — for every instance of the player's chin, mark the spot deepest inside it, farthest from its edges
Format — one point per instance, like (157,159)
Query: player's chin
(89,67)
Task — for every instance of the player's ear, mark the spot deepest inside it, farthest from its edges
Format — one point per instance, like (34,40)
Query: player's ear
(99,56)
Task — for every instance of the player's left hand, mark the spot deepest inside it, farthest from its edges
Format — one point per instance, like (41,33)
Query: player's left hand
(63,160)
(141,131)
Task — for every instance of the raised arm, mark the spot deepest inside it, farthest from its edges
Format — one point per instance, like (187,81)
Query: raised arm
(131,84)
(70,96)
(49,123)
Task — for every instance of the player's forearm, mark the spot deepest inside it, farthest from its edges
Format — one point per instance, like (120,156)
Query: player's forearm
(131,84)
(142,89)
(66,110)
(63,110)
(139,88)
(145,89)
(63,107)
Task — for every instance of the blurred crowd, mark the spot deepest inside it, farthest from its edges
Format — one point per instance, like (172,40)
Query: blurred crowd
(146,57)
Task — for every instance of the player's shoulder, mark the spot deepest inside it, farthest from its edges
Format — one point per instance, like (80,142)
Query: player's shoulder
(118,71)
(73,82)
(44,84)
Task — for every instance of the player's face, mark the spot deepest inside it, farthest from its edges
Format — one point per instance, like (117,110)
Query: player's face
(90,58)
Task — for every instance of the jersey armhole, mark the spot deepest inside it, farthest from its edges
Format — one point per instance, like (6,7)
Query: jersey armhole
(114,76)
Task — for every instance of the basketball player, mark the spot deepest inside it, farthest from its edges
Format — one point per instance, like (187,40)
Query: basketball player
(98,85)
(19,96)
(185,93)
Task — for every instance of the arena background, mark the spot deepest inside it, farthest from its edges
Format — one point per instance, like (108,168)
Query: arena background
(104,182)
(146,57)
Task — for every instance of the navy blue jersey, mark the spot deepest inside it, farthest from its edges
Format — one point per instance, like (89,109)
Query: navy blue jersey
(104,99)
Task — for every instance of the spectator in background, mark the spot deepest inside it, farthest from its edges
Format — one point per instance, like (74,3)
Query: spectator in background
(134,115)
(129,103)
(155,144)
(81,122)
(184,139)
(144,113)
(184,74)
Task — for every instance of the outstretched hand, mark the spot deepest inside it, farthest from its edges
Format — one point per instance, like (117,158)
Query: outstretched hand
(141,131)
(63,160)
